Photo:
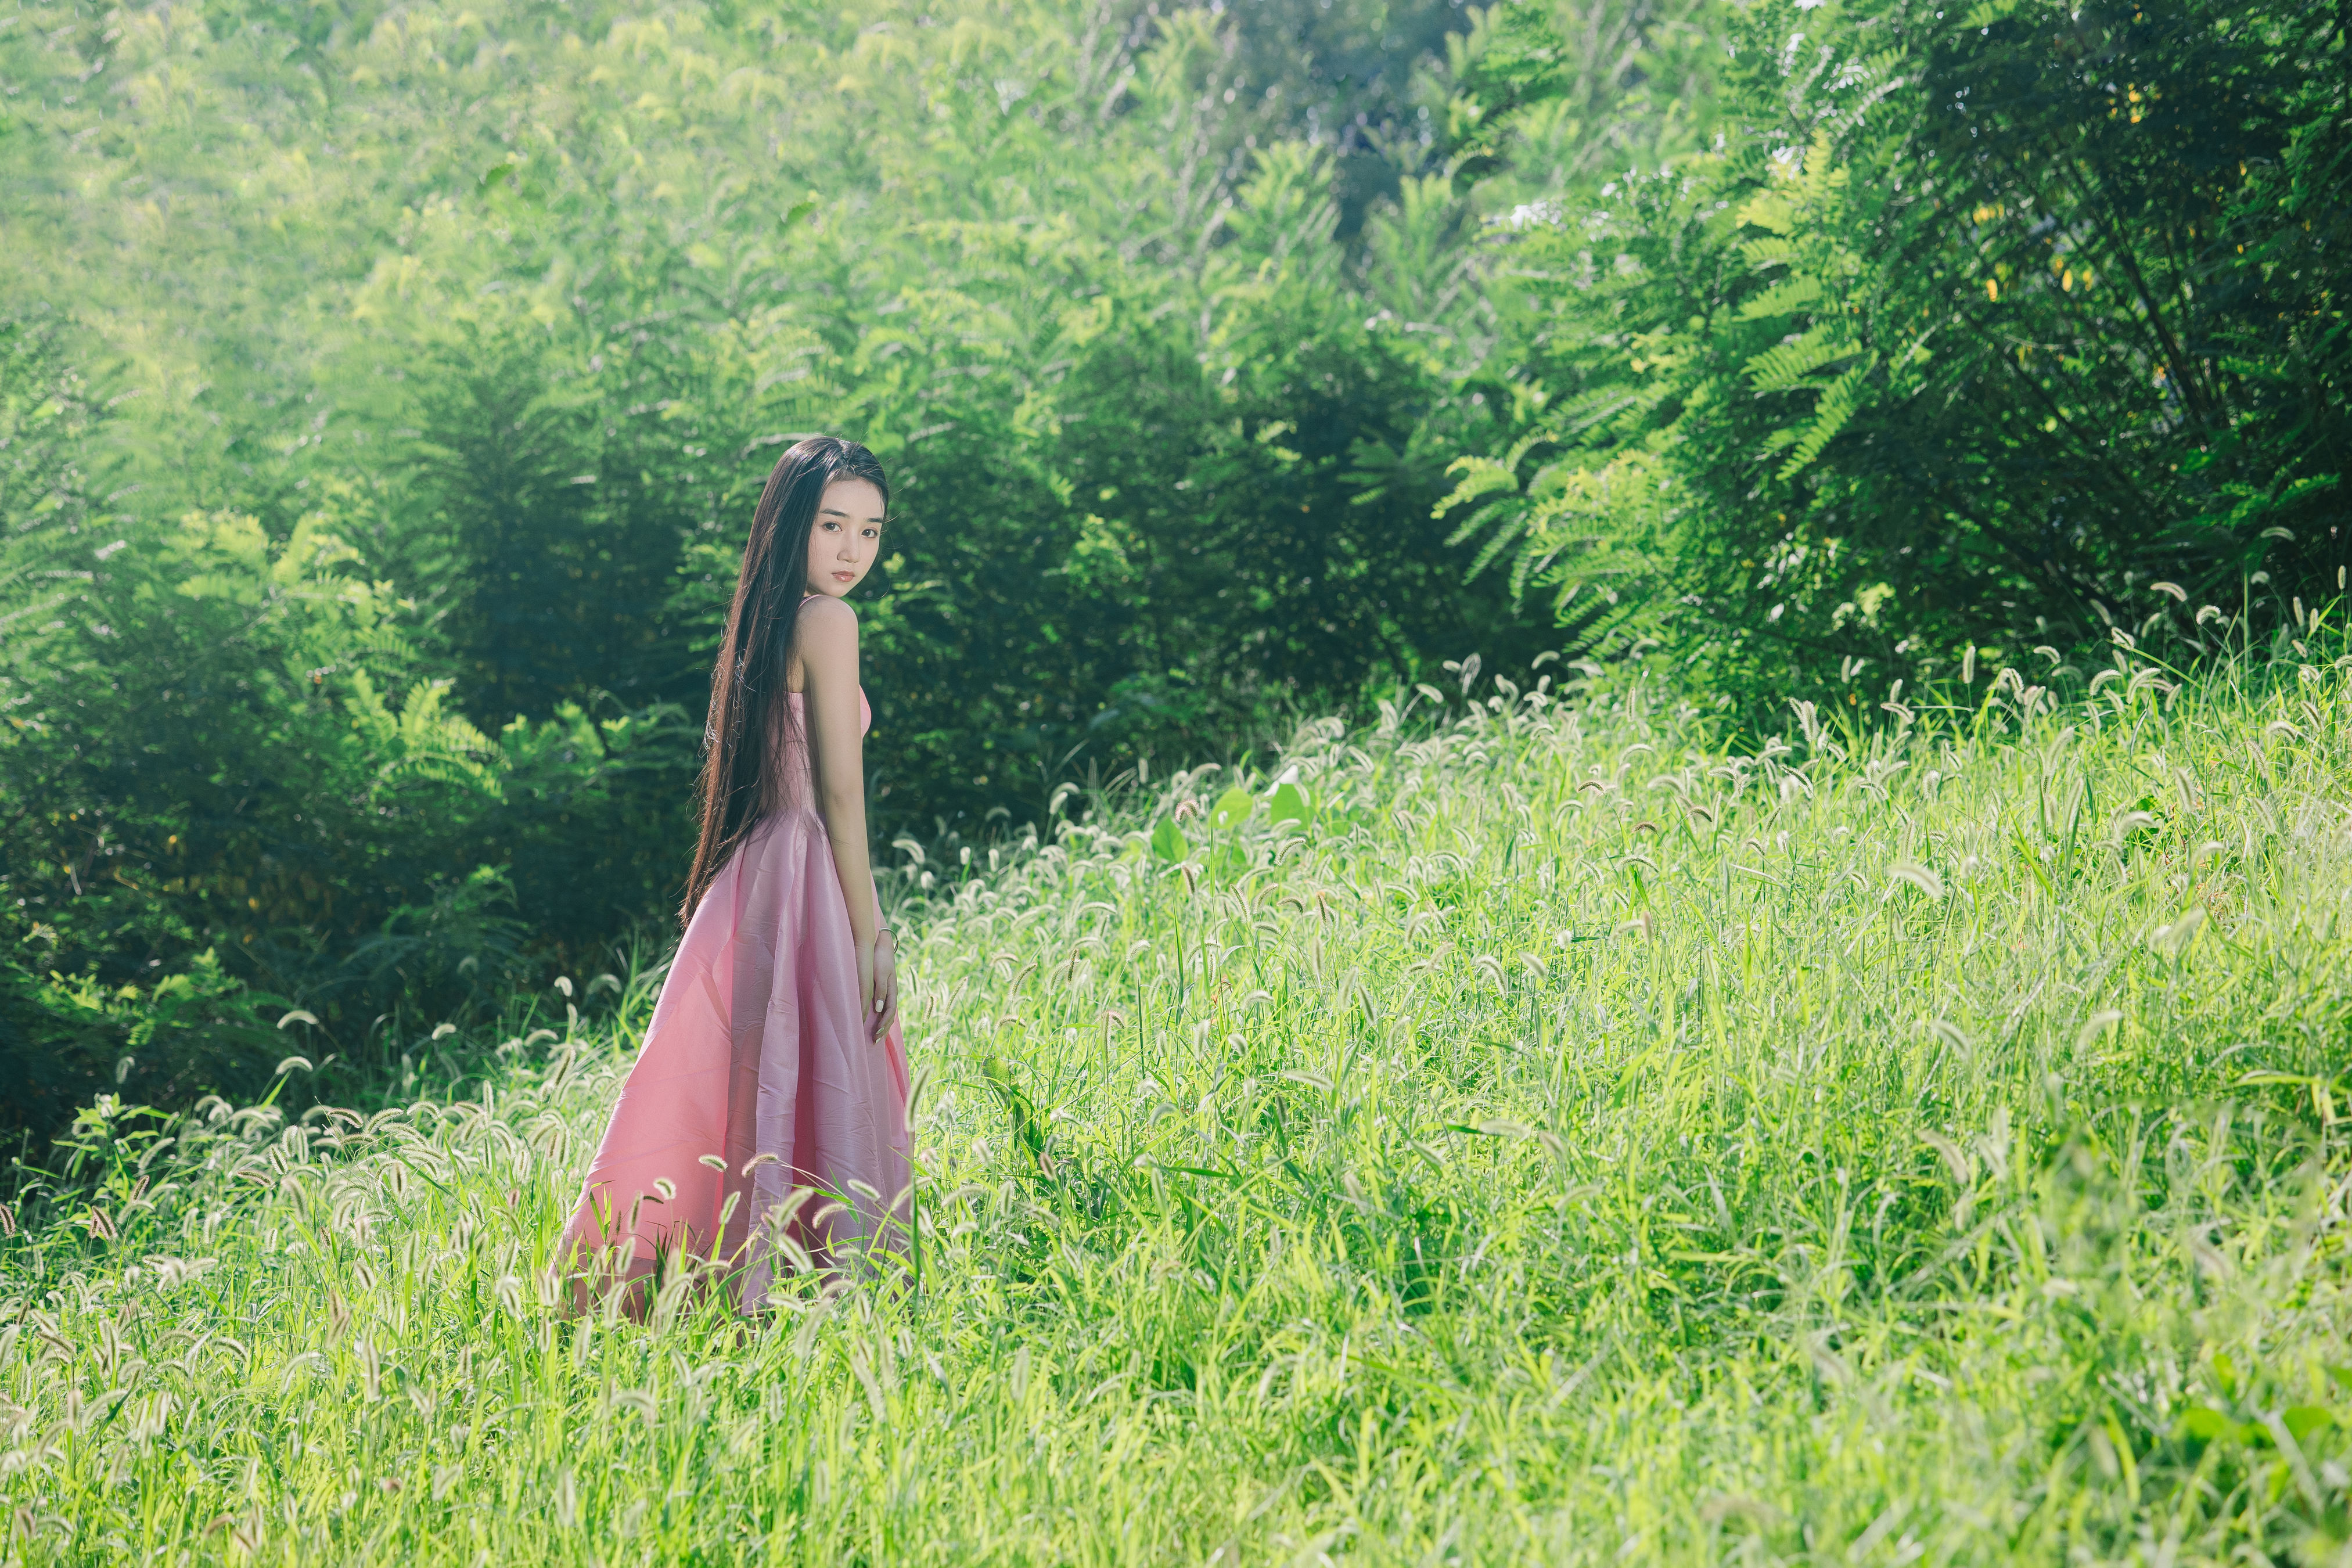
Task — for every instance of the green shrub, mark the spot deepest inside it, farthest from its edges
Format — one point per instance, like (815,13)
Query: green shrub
(2006,324)
(226,763)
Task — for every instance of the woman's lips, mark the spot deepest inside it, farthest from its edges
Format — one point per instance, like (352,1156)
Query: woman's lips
(845,576)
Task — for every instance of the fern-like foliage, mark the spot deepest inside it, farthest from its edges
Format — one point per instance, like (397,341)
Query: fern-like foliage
(1972,328)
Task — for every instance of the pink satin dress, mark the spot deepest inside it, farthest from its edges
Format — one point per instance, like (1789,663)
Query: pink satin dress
(762,1127)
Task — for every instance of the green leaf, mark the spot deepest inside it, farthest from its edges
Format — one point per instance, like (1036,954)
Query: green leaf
(1167,840)
(2303,1420)
(798,214)
(2204,1424)
(1289,803)
(1233,809)
(1483,476)
(1837,406)
(1772,210)
(1783,298)
(1785,366)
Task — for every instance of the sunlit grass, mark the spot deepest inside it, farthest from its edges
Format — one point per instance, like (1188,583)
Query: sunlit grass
(1572,1142)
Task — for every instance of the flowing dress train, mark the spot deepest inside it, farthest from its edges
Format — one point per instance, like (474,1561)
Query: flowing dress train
(759,1118)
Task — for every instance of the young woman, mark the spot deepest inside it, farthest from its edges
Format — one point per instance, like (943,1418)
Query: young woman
(764,1122)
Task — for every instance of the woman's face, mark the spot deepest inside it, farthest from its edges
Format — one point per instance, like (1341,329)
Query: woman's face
(848,536)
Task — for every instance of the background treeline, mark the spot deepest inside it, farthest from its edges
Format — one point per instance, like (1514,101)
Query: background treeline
(386,386)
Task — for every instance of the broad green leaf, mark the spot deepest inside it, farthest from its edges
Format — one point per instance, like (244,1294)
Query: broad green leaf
(1289,803)
(2303,1420)
(1233,809)
(2207,1425)
(1167,840)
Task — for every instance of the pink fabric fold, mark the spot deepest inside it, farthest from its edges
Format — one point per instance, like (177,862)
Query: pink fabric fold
(778,1125)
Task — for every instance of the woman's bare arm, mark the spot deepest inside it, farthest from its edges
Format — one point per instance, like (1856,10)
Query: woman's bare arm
(827,643)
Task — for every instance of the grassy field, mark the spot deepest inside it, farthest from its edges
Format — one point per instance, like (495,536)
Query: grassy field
(1572,1142)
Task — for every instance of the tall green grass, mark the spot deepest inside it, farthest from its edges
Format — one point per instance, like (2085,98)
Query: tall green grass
(1572,1142)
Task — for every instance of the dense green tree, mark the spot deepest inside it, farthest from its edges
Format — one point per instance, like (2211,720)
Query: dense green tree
(2017,325)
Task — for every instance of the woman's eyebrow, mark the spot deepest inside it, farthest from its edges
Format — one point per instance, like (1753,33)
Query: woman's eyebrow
(836,511)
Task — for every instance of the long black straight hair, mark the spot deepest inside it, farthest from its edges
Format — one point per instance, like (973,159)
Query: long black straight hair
(751,725)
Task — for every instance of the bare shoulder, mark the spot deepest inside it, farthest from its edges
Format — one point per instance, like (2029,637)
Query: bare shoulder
(826,633)
(829,617)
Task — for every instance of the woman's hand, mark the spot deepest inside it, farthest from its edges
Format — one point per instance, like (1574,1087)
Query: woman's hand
(882,984)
